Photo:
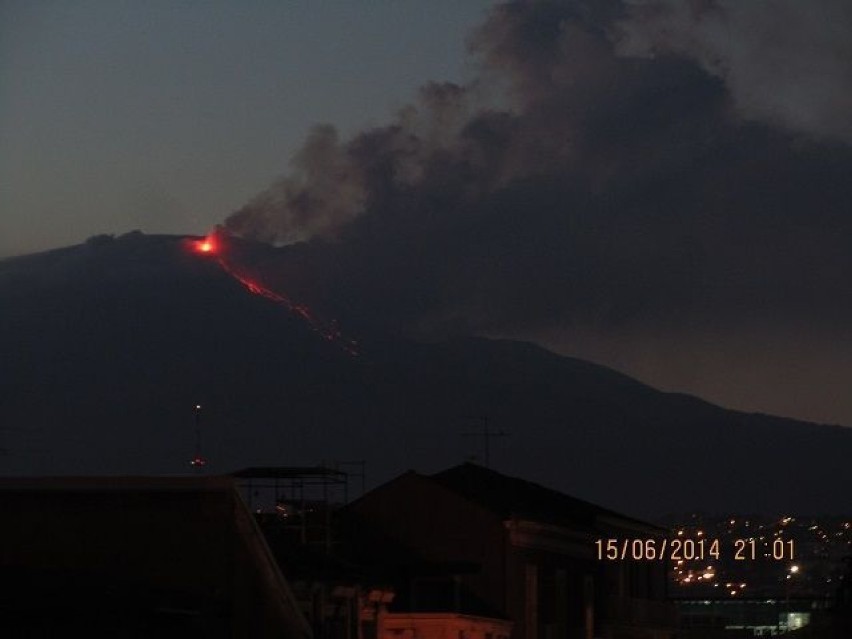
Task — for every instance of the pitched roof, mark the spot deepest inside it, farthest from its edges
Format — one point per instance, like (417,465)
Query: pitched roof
(513,497)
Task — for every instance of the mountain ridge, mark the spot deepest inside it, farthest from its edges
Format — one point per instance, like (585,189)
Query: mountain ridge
(105,356)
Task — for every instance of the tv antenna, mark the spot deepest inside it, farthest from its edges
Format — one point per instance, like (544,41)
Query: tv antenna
(486,434)
(198,460)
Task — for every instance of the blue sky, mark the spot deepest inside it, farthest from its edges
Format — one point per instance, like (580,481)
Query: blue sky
(168,116)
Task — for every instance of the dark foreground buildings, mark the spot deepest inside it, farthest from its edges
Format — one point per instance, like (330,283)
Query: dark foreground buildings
(467,553)
(137,557)
(472,541)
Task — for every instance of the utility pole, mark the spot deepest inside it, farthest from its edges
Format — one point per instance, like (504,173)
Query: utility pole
(486,434)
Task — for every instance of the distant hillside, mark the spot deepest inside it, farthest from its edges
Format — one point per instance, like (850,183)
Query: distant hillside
(107,346)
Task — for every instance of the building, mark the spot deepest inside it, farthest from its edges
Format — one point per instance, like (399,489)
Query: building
(296,508)
(442,625)
(473,542)
(138,557)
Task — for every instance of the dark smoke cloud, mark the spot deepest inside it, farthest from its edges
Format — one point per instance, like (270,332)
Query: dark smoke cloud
(645,167)
(324,191)
(786,61)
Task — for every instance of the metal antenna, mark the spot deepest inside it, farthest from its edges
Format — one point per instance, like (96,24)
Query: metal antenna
(198,461)
(486,434)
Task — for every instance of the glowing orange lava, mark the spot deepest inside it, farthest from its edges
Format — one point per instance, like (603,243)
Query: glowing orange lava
(210,246)
(329,331)
(207,245)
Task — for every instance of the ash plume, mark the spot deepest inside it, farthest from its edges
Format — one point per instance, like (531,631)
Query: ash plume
(786,62)
(324,191)
(637,168)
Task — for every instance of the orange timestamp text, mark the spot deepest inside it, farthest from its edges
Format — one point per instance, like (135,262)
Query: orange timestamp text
(686,549)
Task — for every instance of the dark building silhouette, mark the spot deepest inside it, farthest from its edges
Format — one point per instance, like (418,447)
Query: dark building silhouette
(296,508)
(138,557)
(475,542)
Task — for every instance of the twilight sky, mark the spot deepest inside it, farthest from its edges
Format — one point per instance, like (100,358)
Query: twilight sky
(167,116)
(662,186)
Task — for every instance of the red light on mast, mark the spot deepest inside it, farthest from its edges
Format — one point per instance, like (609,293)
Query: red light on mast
(198,461)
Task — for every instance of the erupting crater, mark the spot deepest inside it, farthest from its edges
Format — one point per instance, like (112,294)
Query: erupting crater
(215,245)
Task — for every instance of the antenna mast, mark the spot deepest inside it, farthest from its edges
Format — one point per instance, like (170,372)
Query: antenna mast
(198,460)
(486,434)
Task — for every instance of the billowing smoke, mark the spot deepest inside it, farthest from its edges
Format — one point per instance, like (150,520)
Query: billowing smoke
(785,62)
(333,183)
(325,191)
(614,165)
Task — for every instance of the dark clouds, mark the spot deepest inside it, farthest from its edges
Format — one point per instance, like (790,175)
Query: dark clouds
(324,191)
(649,165)
(786,62)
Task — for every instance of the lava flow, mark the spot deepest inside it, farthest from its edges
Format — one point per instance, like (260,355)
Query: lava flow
(211,245)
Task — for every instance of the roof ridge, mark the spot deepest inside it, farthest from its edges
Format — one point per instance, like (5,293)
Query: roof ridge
(511,496)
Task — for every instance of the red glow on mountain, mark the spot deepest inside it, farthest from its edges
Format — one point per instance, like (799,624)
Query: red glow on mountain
(206,245)
(216,244)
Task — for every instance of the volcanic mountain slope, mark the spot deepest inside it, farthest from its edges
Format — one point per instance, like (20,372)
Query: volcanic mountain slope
(106,348)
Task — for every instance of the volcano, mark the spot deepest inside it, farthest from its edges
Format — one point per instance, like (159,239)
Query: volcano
(108,346)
